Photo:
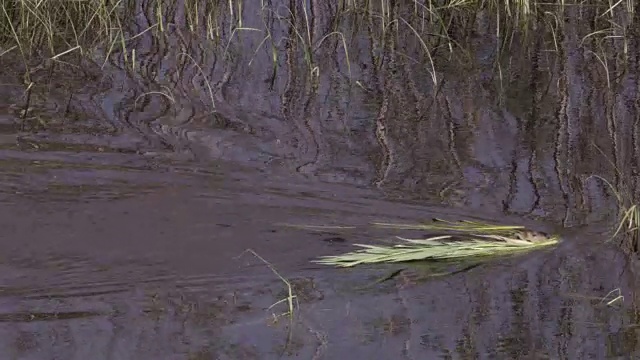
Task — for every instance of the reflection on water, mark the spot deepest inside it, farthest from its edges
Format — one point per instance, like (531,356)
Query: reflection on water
(127,197)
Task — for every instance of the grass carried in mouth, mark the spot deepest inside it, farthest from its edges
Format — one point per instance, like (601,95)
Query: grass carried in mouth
(464,226)
(468,240)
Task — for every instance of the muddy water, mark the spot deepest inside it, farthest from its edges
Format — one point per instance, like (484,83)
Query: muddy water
(129,193)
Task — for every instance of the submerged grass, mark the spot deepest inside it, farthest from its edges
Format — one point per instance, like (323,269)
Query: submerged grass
(469,240)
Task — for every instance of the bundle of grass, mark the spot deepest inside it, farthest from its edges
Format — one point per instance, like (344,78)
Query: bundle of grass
(58,26)
(469,240)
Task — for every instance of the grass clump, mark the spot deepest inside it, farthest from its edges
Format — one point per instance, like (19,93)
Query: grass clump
(58,26)
(627,228)
(468,240)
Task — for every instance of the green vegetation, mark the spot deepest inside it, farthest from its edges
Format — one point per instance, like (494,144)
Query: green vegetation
(468,240)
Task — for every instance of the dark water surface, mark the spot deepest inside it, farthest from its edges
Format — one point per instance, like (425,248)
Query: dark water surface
(129,193)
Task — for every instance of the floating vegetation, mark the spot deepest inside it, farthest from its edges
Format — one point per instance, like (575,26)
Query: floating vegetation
(468,240)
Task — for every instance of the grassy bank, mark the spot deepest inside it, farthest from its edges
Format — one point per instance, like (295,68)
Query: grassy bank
(55,28)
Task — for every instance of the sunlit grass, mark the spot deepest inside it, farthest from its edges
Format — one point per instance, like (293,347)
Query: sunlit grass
(465,226)
(468,240)
(57,26)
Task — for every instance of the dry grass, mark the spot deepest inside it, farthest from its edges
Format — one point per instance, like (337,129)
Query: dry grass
(467,240)
(627,227)
(59,27)
(64,27)
(290,299)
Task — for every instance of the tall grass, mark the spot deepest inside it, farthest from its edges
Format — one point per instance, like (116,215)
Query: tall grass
(63,27)
(59,25)
(53,28)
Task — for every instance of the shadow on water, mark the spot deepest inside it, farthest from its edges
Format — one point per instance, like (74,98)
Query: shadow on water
(129,192)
